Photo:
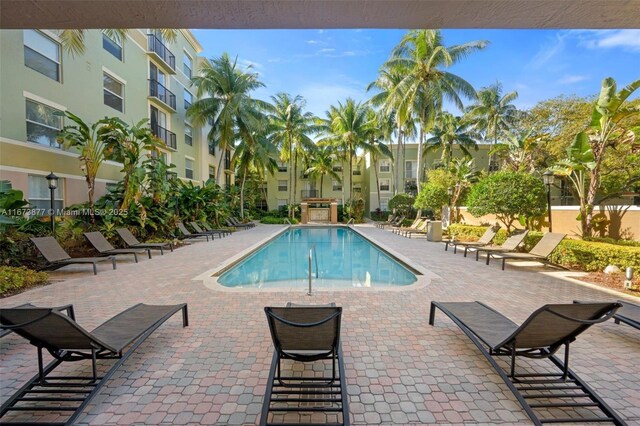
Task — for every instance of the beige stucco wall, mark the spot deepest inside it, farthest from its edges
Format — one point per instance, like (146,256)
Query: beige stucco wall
(625,220)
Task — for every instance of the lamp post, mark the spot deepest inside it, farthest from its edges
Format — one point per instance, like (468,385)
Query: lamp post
(52,180)
(548,178)
(450,192)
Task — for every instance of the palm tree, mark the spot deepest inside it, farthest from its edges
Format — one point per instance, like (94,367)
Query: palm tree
(422,58)
(346,125)
(253,155)
(73,40)
(448,132)
(517,152)
(379,130)
(289,128)
(321,164)
(464,174)
(493,113)
(223,92)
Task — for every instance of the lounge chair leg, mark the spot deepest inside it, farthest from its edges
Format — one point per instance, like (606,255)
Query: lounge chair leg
(432,314)
(149,252)
(513,360)
(565,370)
(171,246)
(94,368)
(465,251)
(95,269)
(455,249)
(113,262)
(161,251)
(40,367)
(488,257)
(185,316)
(503,262)
(135,257)
(446,246)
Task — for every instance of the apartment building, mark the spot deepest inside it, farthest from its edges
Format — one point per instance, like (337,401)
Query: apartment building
(140,77)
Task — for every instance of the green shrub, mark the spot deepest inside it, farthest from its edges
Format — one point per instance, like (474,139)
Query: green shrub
(584,255)
(402,203)
(629,243)
(270,220)
(432,197)
(13,280)
(379,215)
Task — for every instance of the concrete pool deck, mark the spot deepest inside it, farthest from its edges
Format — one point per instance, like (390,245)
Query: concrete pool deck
(399,369)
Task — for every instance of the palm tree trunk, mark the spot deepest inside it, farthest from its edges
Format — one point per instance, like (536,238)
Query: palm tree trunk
(219,168)
(375,171)
(397,171)
(290,183)
(350,174)
(244,179)
(295,181)
(419,165)
(321,181)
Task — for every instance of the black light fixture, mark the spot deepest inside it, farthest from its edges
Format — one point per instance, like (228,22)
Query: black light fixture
(548,178)
(52,181)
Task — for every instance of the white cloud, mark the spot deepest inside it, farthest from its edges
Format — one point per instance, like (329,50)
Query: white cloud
(250,64)
(548,51)
(312,42)
(625,39)
(572,79)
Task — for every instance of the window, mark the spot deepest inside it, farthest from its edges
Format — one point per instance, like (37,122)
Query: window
(385,184)
(227,159)
(40,194)
(384,203)
(187,64)
(356,171)
(337,185)
(282,167)
(385,166)
(188,168)
(188,99)
(188,138)
(357,187)
(43,125)
(212,173)
(282,185)
(42,54)
(337,168)
(227,180)
(112,45)
(282,202)
(212,148)
(410,169)
(113,92)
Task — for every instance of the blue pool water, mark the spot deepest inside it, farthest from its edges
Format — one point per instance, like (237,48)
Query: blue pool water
(345,259)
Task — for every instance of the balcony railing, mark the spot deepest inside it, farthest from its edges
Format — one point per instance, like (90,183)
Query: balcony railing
(357,172)
(156,46)
(309,193)
(165,95)
(167,136)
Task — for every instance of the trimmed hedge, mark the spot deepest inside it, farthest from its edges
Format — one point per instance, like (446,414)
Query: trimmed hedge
(270,220)
(14,280)
(584,255)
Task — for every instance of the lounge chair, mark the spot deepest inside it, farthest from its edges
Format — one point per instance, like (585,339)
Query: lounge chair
(401,229)
(100,243)
(190,235)
(306,334)
(66,308)
(66,340)
(238,222)
(199,230)
(208,227)
(389,220)
(629,314)
(421,229)
(509,245)
(397,222)
(539,337)
(540,252)
(57,257)
(233,224)
(131,241)
(484,240)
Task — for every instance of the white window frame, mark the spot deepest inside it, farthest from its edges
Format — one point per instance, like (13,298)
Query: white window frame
(192,169)
(28,99)
(386,164)
(187,55)
(58,47)
(414,169)
(382,185)
(336,185)
(189,136)
(117,80)
(120,44)
(185,98)
(282,202)
(283,187)
(58,193)
(212,176)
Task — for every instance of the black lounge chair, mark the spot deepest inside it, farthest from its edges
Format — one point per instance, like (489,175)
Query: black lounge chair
(305,334)
(131,241)
(208,227)
(232,224)
(66,308)
(509,245)
(191,235)
(389,220)
(629,314)
(199,230)
(57,257)
(66,340)
(237,222)
(484,240)
(540,252)
(100,243)
(539,336)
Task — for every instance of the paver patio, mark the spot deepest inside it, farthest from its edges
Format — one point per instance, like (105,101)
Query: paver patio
(399,369)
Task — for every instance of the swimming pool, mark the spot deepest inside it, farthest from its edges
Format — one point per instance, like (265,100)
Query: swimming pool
(345,259)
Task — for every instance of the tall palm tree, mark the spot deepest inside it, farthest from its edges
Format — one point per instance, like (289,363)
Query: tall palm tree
(289,128)
(347,125)
(449,131)
(223,92)
(379,130)
(321,164)
(422,59)
(517,151)
(494,112)
(464,174)
(74,43)
(253,155)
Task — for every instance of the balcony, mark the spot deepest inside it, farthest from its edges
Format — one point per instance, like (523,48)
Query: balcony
(161,93)
(158,50)
(166,136)
(357,172)
(309,193)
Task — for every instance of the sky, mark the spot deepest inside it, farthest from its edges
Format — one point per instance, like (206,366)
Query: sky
(326,66)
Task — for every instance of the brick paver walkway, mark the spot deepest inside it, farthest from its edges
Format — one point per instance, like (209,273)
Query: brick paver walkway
(399,369)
